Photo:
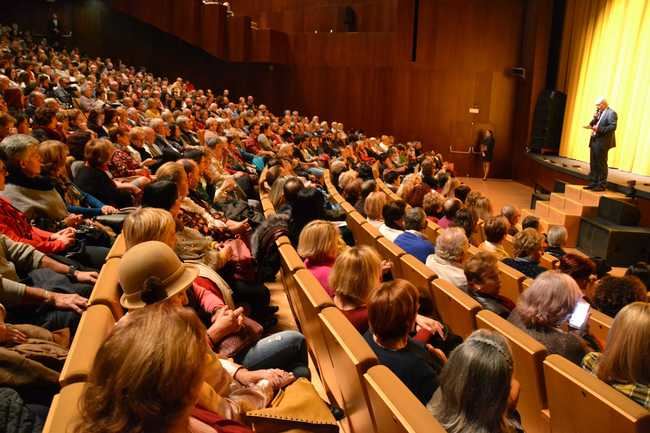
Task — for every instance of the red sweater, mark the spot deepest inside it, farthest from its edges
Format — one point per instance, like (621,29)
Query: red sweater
(14,224)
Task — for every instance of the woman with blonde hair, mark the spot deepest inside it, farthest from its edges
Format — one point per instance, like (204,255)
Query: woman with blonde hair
(374,207)
(318,245)
(148,384)
(483,361)
(544,307)
(356,272)
(624,362)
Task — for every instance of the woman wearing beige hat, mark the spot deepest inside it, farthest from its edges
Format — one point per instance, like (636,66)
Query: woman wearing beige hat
(150,273)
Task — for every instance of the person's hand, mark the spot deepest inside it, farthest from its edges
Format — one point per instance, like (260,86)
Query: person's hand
(149,161)
(86,277)
(437,353)
(278,378)
(431,325)
(594,128)
(72,220)
(71,302)
(107,210)
(225,322)
(11,335)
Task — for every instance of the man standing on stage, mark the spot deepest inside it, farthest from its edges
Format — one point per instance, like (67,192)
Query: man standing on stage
(602,126)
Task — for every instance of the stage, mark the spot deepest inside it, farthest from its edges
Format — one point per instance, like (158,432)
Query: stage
(617,180)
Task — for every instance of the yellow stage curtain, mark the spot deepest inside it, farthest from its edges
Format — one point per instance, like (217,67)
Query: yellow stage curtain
(606,52)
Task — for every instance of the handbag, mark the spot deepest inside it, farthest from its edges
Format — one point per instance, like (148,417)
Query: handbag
(297,408)
(243,339)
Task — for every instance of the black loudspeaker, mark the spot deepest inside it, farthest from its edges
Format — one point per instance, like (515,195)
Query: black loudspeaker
(559,186)
(547,122)
(619,245)
(618,212)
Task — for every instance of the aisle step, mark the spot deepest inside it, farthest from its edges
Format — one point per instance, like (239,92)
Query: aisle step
(573,191)
(557,200)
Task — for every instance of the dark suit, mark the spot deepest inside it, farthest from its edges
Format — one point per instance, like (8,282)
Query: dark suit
(599,144)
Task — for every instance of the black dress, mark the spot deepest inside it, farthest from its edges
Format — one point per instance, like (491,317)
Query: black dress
(487,148)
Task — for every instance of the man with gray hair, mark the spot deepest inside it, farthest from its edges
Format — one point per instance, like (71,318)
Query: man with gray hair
(413,240)
(603,127)
(556,238)
(513,215)
(447,262)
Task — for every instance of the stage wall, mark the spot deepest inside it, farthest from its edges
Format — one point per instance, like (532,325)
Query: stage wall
(605,53)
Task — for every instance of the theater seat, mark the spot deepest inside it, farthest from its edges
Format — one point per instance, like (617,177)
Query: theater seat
(268,208)
(421,277)
(394,407)
(548,261)
(599,325)
(64,410)
(107,290)
(313,300)
(351,357)
(511,280)
(95,325)
(581,403)
(118,248)
(362,235)
(391,252)
(528,355)
(508,245)
(431,231)
(456,308)
(291,262)
(282,240)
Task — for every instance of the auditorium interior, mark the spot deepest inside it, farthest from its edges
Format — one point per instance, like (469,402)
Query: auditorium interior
(328,216)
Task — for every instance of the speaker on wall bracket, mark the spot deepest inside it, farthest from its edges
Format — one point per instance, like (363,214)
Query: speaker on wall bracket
(547,123)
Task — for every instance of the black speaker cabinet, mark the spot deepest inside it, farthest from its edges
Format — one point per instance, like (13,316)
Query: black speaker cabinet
(547,122)
(619,245)
(618,212)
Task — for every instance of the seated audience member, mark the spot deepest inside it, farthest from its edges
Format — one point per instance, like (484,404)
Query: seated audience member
(513,215)
(393,214)
(356,272)
(611,294)
(624,362)
(466,220)
(528,245)
(210,297)
(367,188)
(531,222)
(450,207)
(292,186)
(374,207)
(483,361)
(26,189)
(480,206)
(131,373)
(582,269)
(392,311)
(53,156)
(556,238)
(352,191)
(461,192)
(496,229)
(447,262)
(309,206)
(544,307)
(427,171)
(94,179)
(432,204)
(318,245)
(413,240)
(51,301)
(483,283)
(641,270)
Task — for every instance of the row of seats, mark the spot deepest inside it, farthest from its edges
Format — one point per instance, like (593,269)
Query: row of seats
(371,397)
(95,325)
(540,375)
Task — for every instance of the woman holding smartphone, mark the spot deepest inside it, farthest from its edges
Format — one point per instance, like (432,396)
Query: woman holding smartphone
(553,312)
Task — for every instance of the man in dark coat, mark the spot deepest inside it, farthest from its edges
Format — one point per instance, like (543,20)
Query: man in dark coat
(603,127)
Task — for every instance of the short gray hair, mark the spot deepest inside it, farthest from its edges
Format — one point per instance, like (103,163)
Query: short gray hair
(451,244)
(415,219)
(557,236)
(14,148)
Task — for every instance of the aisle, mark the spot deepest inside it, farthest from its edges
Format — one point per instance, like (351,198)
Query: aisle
(501,191)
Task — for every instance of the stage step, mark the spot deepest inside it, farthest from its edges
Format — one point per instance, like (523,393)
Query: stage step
(573,191)
(549,215)
(570,206)
(587,197)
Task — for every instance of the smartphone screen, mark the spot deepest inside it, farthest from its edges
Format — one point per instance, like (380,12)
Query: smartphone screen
(579,315)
